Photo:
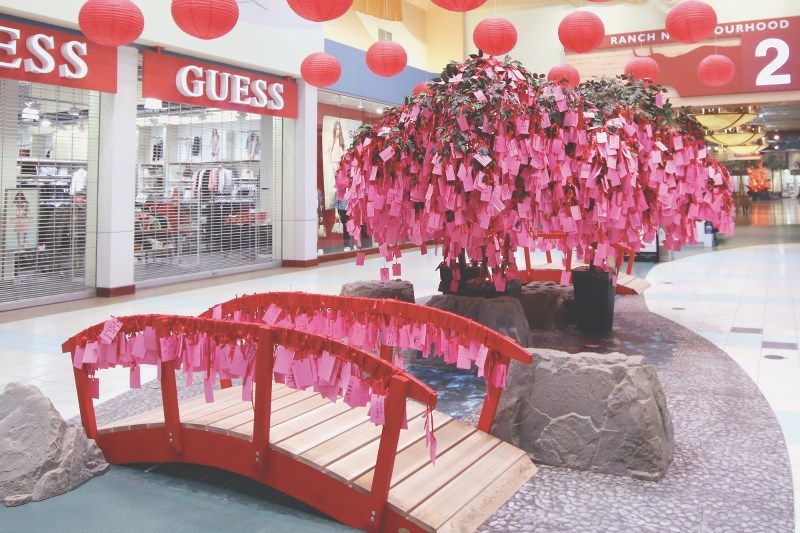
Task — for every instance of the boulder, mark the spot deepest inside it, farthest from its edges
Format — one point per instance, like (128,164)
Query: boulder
(397,289)
(548,305)
(503,314)
(604,413)
(41,455)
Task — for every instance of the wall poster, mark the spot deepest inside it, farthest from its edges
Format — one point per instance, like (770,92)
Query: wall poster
(22,216)
(337,136)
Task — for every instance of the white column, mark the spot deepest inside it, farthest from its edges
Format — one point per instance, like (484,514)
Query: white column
(9,151)
(300,181)
(117,180)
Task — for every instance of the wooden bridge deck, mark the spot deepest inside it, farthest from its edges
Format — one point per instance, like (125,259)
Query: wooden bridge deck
(474,473)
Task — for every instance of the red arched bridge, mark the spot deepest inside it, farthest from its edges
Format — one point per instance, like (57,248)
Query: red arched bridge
(322,409)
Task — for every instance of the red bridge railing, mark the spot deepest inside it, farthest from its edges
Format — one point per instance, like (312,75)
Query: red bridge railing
(382,326)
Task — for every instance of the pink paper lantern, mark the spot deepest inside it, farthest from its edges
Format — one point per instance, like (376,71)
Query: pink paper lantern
(320,10)
(495,35)
(420,88)
(205,19)
(642,67)
(386,58)
(581,31)
(691,21)
(716,70)
(320,69)
(111,22)
(564,72)
(459,5)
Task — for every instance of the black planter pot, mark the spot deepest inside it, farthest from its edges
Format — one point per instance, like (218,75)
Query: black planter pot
(467,273)
(594,300)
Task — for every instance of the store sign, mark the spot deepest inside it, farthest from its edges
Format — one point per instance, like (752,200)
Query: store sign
(766,54)
(177,79)
(30,53)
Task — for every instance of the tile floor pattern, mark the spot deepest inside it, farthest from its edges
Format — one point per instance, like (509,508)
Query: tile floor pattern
(744,300)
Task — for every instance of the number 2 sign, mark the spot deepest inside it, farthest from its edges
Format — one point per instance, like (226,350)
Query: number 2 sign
(771,63)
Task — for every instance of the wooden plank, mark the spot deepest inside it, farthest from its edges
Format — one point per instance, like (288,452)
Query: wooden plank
(363,459)
(351,440)
(242,425)
(202,420)
(424,482)
(463,497)
(302,422)
(316,435)
(417,455)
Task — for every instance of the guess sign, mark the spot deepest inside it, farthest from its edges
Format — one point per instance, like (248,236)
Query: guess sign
(176,79)
(29,53)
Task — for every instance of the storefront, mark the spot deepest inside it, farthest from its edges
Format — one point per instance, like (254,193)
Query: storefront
(338,119)
(50,87)
(209,167)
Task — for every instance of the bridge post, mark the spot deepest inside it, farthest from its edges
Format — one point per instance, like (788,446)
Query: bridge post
(387,451)
(262,410)
(85,403)
(490,404)
(172,415)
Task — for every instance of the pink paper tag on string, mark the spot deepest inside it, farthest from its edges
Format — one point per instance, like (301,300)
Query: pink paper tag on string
(377,413)
(110,329)
(430,439)
(135,377)
(247,389)
(360,258)
(94,388)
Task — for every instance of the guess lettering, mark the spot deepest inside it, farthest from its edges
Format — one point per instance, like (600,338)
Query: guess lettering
(68,60)
(194,81)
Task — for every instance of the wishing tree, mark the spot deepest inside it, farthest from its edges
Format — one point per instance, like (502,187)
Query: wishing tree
(490,157)
(759,182)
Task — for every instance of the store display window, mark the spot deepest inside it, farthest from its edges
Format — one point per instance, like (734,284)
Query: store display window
(338,119)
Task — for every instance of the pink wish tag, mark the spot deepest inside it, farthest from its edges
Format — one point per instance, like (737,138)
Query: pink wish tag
(327,365)
(94,388)
(566,277)
(430,439)
(90,353)
(454,286)
(360,258)
(216,312)
(387,153)
(499,376)
(390,336)
(500,283)
(423,250)
(463,361)
(377,413)
(301,370)
(576,212)
(396,269)
(110,329)
(208,388)
(168,348)
(271,315)
(150,339)
(238,363)
(384,274)
(247,389)
(283,360)
(135,377)
(480,361)
(301,322)
(462,122)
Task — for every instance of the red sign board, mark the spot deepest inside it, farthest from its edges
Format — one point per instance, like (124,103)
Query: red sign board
(766,56)
(42,55)
(178,79)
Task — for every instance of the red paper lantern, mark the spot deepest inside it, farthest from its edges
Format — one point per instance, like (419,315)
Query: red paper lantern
(205,19)
(495,35)
(691,21)
(642,67)
(716,70)
(320,69)
(459,5)
(581,31)
(564,72)
(420,88)
(111,22)
(320,10)
(386,58)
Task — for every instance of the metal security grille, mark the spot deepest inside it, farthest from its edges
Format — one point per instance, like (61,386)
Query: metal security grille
(208,190)
(48,163)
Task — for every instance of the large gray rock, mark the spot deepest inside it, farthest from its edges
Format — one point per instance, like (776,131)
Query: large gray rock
(40,454)
(503,314)
(548,305)
(604,413)
(397,289)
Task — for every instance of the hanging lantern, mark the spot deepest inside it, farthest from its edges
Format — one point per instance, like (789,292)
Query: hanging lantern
(420,88)
(320,69)
(716,70)
(642,67)
(205,19)
(320,10)
(581,31)
(691,21)
(111,22)
(459,5)
(495,35)
(568,73)
(386,58)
